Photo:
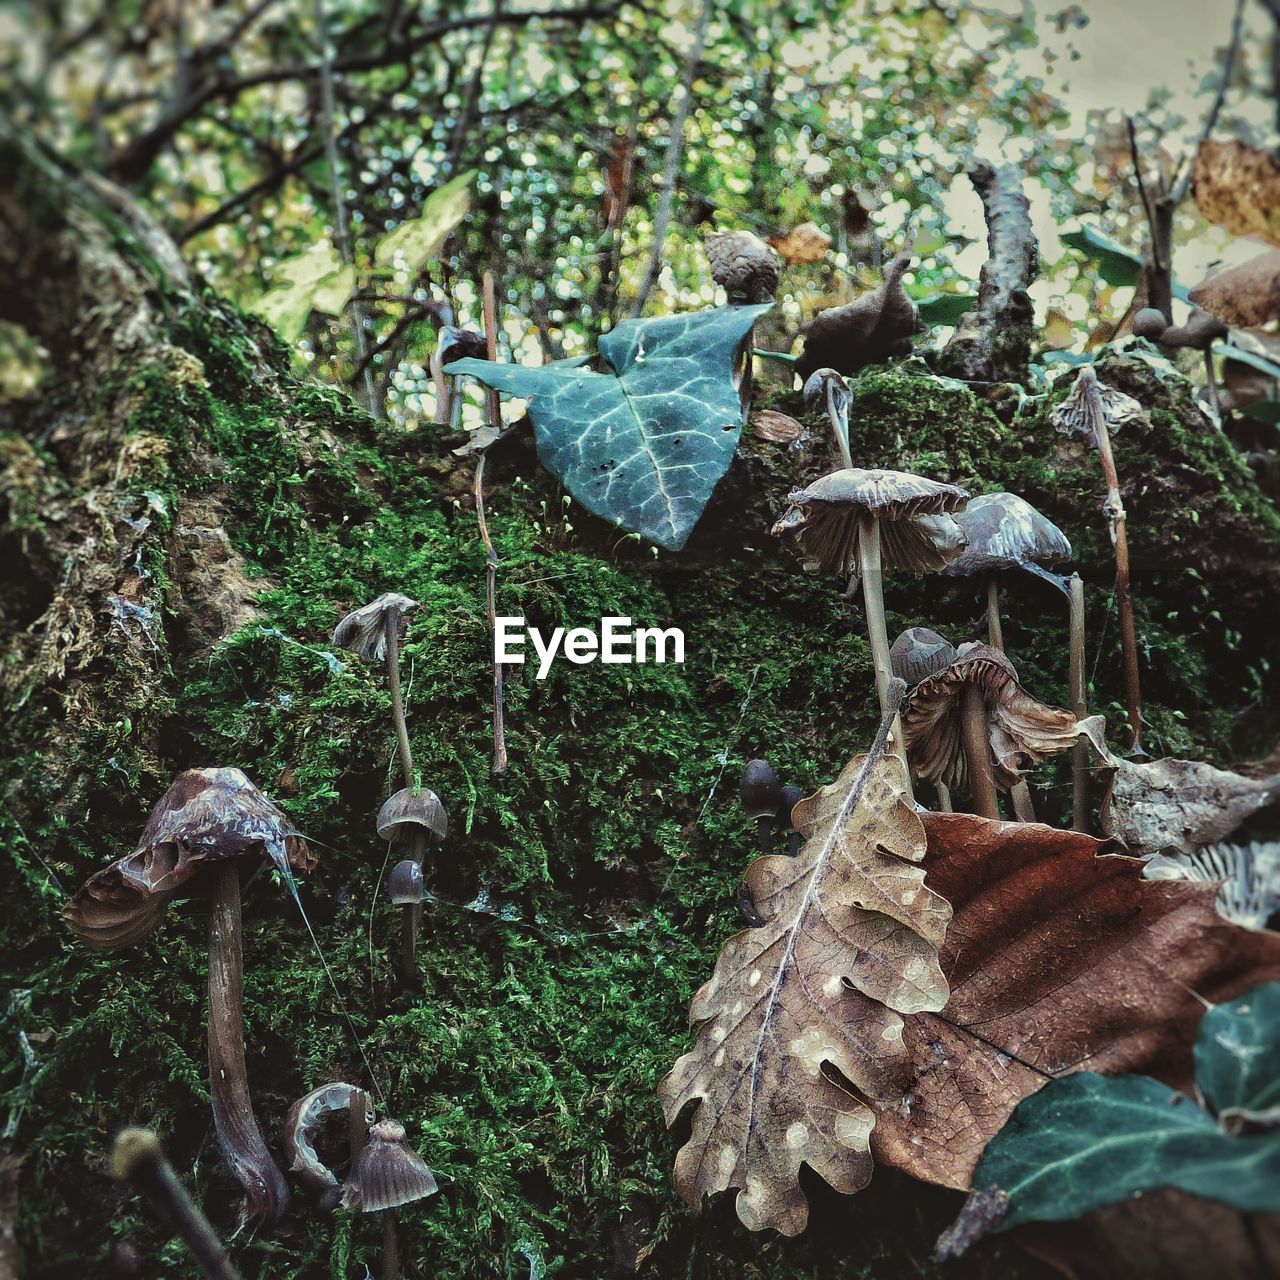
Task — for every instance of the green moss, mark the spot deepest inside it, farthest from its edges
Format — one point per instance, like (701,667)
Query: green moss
(579,899)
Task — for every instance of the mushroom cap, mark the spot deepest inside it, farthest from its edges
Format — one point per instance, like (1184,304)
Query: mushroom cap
(364,631)
(1020,730)
(919,652)
(409,808)
(815,389)
(744,266)
(1006,532)
(761,790)
(791,796)
(206,816)
(404,884)
(387,1173)
(917,531)
(1149,323)
(454,343)
(304,1119)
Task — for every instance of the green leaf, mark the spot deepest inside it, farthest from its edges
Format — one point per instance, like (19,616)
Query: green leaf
(421,239)
(1088,1140)
(1238,1052)
(644,444)
(945,308)
(1116,264)
(1251,358)
(315,280)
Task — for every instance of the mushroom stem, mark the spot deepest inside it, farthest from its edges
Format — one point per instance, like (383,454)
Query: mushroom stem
(873,606)
(995,636)
(138,1159)
(1080,752)
(1114,508)
(764,834)
(840,424)
(977,751)
(944,798)
(1213,382)
(357,1124)
(241,1141)
(390,1247)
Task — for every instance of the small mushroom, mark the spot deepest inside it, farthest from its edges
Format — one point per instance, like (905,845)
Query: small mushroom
(1198,333)
(875,521)
(404,884)
(209,825)
(388,1173)
(868,330)
(916,654)
(743,266)
(453,344)
(791,796)
(303,1123)
(761,798)
(138,1159)
(1249,876)
(826,388)
(973,726)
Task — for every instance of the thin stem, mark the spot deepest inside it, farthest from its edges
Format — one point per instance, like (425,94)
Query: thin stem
(977,751)
(840,424)
(1114,508)
(764,834)
(944,798)
(494,406)
(995,635)
(357,1124)
(137,1158)
(1079,708)
(266,1195)
(873,606)
(1024,808)
(390,1247)
(391,621)
(1212,379)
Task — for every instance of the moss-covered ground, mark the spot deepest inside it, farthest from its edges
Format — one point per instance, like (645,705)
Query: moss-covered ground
(579,899)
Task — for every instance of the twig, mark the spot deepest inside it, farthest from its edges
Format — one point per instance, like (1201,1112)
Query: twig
(494,408)
(1142,186)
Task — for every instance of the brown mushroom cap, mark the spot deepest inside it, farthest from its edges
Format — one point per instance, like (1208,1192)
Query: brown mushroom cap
(303,1122)
(364,631)
(744,266)
(917,531)
(206,816)
(408,809)
(815,389)
(387,1173)
(404,884)
(919,652)
(1006,532)
(1020,730)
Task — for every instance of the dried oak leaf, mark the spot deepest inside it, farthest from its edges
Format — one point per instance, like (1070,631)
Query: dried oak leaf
(1177,804)
(805,243)
(1058,960)
(849,943)
(777,428)
(1245,295)
(1238,187)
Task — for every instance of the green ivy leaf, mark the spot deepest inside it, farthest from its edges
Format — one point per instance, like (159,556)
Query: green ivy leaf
(315,280)
(1116,264)
(944,308)
(1087,1140)
(421,239)
(644,444)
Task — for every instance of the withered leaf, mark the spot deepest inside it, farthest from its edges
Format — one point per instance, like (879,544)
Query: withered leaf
(777,428)
(1245,295)
(849,943)
(1238,187)
(803,244)
(1058,960)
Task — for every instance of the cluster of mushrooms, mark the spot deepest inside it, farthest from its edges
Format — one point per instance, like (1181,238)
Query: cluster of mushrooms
(210,833)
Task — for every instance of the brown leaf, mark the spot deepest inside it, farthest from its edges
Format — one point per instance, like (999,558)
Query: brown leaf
(1177,804)
(849,943)
(1058,960)
(805,243)
(1238,187)
(1245,295)
(779,428)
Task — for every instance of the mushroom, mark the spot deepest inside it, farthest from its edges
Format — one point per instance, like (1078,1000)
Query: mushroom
(303,1123)
(1006,532)
(407,820)
(388,1173)
(138,1159)
(761,798)
(791,796)
(1088,413)
(209,825)
(917,653)
(744,266)
(875,521)
(453,344)
(867,330)
(404,884)
(1199,332)
(1249,876)
(826,386)
(373,633)
(972,725)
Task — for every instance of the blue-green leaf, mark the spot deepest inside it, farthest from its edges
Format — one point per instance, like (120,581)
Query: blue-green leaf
(1238,1052)
(944,308)
(644,444)
(1116,264)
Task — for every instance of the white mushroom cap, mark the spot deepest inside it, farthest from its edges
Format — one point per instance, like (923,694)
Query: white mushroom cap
(1006,532)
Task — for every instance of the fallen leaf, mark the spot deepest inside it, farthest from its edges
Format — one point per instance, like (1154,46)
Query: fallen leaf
(778,428)
(805,243)
(1238,187)
(1177,804)
(1058,960)
(849,943)
(1245,295)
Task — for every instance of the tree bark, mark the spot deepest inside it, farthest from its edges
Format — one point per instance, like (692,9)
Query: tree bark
(992,342)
